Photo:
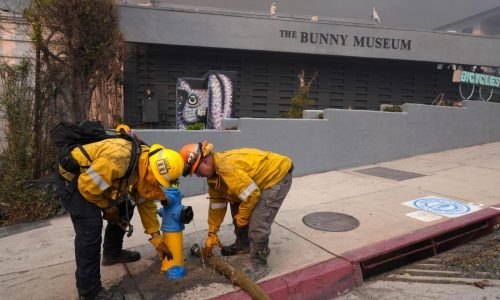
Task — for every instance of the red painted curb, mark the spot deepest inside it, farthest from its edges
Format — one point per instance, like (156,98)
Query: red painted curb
(497,219)
(339,275)
(381,248)
(321,281)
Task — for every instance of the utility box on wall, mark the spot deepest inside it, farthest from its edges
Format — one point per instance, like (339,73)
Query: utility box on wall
(150,111)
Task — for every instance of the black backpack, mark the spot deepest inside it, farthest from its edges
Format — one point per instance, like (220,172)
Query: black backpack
(69,135)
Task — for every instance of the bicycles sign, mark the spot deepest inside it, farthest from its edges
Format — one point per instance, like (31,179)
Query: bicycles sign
(470,80)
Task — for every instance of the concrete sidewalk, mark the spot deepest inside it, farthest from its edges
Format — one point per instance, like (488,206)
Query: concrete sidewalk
(39,263)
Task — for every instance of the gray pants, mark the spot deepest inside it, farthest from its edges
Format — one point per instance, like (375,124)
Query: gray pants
(265,211)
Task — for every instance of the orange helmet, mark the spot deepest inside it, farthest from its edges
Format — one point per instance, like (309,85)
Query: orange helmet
(193,154)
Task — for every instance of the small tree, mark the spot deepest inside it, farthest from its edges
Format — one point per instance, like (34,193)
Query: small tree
(78,57)
(301,100)
(81,47)
(18,203)
(17,106)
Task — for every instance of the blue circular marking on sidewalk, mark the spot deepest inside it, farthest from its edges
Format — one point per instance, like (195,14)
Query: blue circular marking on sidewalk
(441,206)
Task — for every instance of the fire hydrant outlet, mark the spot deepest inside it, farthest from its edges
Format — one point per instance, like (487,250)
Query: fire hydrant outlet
(187,214)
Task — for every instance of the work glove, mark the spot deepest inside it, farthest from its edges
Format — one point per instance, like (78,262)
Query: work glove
(240,220)
(161,248)
(212,240)
(111,214)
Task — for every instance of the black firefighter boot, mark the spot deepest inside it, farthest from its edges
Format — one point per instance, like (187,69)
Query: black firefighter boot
(258,267)
(103,294)
(125,256)
(240,246)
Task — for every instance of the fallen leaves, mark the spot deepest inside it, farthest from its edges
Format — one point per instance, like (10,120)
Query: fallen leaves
(482,283)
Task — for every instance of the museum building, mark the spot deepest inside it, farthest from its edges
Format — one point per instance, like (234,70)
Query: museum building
(252,60)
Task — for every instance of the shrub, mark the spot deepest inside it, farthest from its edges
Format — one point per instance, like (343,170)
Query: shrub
(195,126)
(393,108)
(301,100)
(19,200)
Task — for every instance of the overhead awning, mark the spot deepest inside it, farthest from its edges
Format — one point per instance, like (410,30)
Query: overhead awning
(231,30)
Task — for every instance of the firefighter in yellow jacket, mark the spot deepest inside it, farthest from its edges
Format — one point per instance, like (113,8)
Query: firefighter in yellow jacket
(255,183)
(98,193)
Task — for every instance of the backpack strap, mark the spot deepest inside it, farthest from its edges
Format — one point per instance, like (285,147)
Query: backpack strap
(134,158)
(66,161)
(85,153)
(133,161)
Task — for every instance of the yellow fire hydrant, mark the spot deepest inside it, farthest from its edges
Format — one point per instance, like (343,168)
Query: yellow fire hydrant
(174,216)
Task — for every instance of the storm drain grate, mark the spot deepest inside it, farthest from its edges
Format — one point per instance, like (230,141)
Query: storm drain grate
(330,221)
(392,174)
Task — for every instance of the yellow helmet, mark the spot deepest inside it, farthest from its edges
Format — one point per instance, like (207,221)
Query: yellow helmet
(123,127)
(167,164)
(126,129)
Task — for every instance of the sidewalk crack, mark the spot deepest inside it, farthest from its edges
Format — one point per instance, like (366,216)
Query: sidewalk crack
(133,282)
(32,269)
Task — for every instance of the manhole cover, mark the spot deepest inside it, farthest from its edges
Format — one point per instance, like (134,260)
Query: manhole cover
(330,221)
(393,174)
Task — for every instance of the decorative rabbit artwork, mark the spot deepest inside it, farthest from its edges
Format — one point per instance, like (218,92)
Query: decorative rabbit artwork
(191,104)
(208,104)
(220,98)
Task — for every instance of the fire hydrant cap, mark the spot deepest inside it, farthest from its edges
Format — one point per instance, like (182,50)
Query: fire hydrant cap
(186,215)
(176,272)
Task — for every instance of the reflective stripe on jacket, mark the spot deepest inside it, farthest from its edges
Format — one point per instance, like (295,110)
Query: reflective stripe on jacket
(99,183)
(240,175)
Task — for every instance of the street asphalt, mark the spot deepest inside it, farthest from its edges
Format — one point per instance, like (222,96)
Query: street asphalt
(400,200)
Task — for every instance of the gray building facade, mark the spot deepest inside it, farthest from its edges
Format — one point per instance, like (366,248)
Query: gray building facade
(360,65)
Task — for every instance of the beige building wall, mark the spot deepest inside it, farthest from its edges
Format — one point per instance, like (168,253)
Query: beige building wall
(14,40)
(14,45)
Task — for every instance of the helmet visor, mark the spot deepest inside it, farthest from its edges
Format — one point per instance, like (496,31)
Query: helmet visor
(192,163)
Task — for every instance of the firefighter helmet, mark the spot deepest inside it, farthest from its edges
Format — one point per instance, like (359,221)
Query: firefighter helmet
(167,164)
(193,154)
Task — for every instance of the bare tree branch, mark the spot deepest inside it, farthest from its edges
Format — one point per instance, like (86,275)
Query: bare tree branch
(301,78)
(82,41)
(315,75)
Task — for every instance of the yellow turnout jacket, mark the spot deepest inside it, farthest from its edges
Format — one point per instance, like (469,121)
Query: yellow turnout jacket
(240,175)
(99,183)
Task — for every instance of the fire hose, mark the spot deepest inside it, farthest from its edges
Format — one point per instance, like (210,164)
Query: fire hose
(235,275)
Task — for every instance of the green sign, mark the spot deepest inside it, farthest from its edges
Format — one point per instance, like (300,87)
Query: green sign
(476,78)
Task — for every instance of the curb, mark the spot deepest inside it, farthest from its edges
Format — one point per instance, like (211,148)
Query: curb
(23,227)
(332,278)
(384,247)
(424,242)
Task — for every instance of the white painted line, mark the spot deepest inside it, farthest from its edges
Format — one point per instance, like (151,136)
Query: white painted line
(423,216)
